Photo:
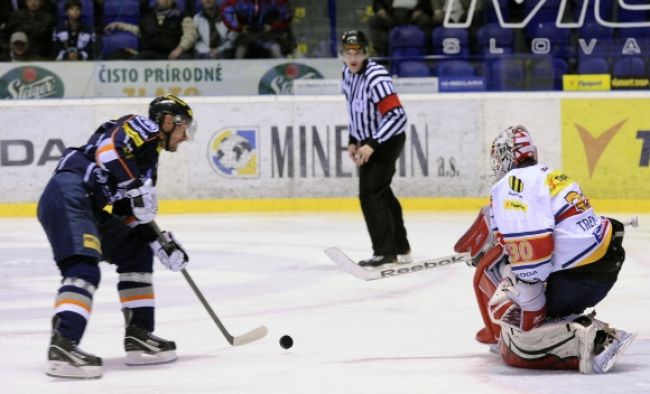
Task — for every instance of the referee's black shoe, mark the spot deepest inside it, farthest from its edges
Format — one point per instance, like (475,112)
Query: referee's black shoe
(376,261)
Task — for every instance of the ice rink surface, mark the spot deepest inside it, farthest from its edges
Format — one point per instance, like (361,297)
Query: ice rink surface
(412,334)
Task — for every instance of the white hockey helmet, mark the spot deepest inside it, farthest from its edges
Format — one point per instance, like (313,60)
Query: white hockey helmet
(513,148)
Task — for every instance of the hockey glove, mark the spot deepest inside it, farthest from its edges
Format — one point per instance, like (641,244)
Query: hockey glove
(518,304)
(144,202)
(174,256)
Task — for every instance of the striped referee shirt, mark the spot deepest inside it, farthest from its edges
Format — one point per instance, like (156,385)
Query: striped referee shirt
(376,114)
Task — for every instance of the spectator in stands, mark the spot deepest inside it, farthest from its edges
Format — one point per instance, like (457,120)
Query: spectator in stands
(458,12)
(37,23)
(19,50)
(391,13)
(165,32)
(215,40)
(72,39)
(263,26)
(7,7)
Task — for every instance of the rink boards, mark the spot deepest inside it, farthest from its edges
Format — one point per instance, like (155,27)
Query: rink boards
(279,153)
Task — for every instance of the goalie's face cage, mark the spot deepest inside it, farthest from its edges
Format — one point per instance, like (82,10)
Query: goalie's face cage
(502,155)
(512,148)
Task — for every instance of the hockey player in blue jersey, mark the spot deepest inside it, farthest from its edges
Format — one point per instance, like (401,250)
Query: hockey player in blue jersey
(117,168)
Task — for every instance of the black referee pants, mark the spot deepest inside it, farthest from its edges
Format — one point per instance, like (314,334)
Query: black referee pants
(381,209)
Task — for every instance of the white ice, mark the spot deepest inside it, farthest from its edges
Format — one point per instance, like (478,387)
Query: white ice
(413,334)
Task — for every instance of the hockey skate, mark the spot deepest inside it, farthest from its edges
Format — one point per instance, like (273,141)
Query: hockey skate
(608,347)
(376,261)
(144,348)
(66,360)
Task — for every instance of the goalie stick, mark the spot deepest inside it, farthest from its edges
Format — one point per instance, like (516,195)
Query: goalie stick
(344,262)
(251,336)
(390,270)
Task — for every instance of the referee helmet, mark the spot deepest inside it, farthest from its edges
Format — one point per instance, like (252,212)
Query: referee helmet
(354,39)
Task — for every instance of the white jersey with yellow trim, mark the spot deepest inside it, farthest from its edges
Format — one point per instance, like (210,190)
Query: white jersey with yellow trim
(546,222)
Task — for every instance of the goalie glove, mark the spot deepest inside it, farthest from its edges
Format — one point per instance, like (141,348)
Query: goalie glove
(144,202)
(518,304)
(171,254)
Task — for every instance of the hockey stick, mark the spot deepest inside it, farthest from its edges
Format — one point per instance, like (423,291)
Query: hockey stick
(251,336)
(348,265)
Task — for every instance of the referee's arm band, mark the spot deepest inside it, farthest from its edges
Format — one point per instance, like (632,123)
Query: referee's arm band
(388,103)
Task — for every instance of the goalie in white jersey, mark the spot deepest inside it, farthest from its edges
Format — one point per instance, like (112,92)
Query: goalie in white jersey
(543,257)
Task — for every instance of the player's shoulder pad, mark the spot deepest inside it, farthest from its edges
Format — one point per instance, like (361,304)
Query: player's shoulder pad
(557,181)
(143,125)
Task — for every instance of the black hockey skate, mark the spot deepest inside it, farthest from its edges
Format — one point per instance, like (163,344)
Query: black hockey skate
(376,261)
(66,360)
(144,348)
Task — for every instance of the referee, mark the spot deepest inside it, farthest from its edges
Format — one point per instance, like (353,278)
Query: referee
(377,124)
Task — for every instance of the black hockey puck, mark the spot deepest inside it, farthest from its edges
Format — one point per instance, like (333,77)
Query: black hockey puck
(286,342)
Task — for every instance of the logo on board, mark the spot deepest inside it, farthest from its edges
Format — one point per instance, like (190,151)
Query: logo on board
(30,82)
(233,152)
(279,79)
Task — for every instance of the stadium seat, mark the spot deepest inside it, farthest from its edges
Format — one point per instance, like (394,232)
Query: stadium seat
(506,74)
(198,5)
(122,11)
(629,67)
(593,65)
(605,10)
(406,41)
(639,33)
(491,14)
(118,40)
(593,31)
(457,41)
(632,15)
(413,68)
(546,73)
(503,38)
(546,15)
(180,4)
(456,69)
(87,12)
(559,38)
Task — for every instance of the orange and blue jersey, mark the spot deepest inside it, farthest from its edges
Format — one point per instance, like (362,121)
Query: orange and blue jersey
(117,157)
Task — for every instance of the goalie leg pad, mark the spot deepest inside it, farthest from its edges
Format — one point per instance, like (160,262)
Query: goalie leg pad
(564,344)
(486,278)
